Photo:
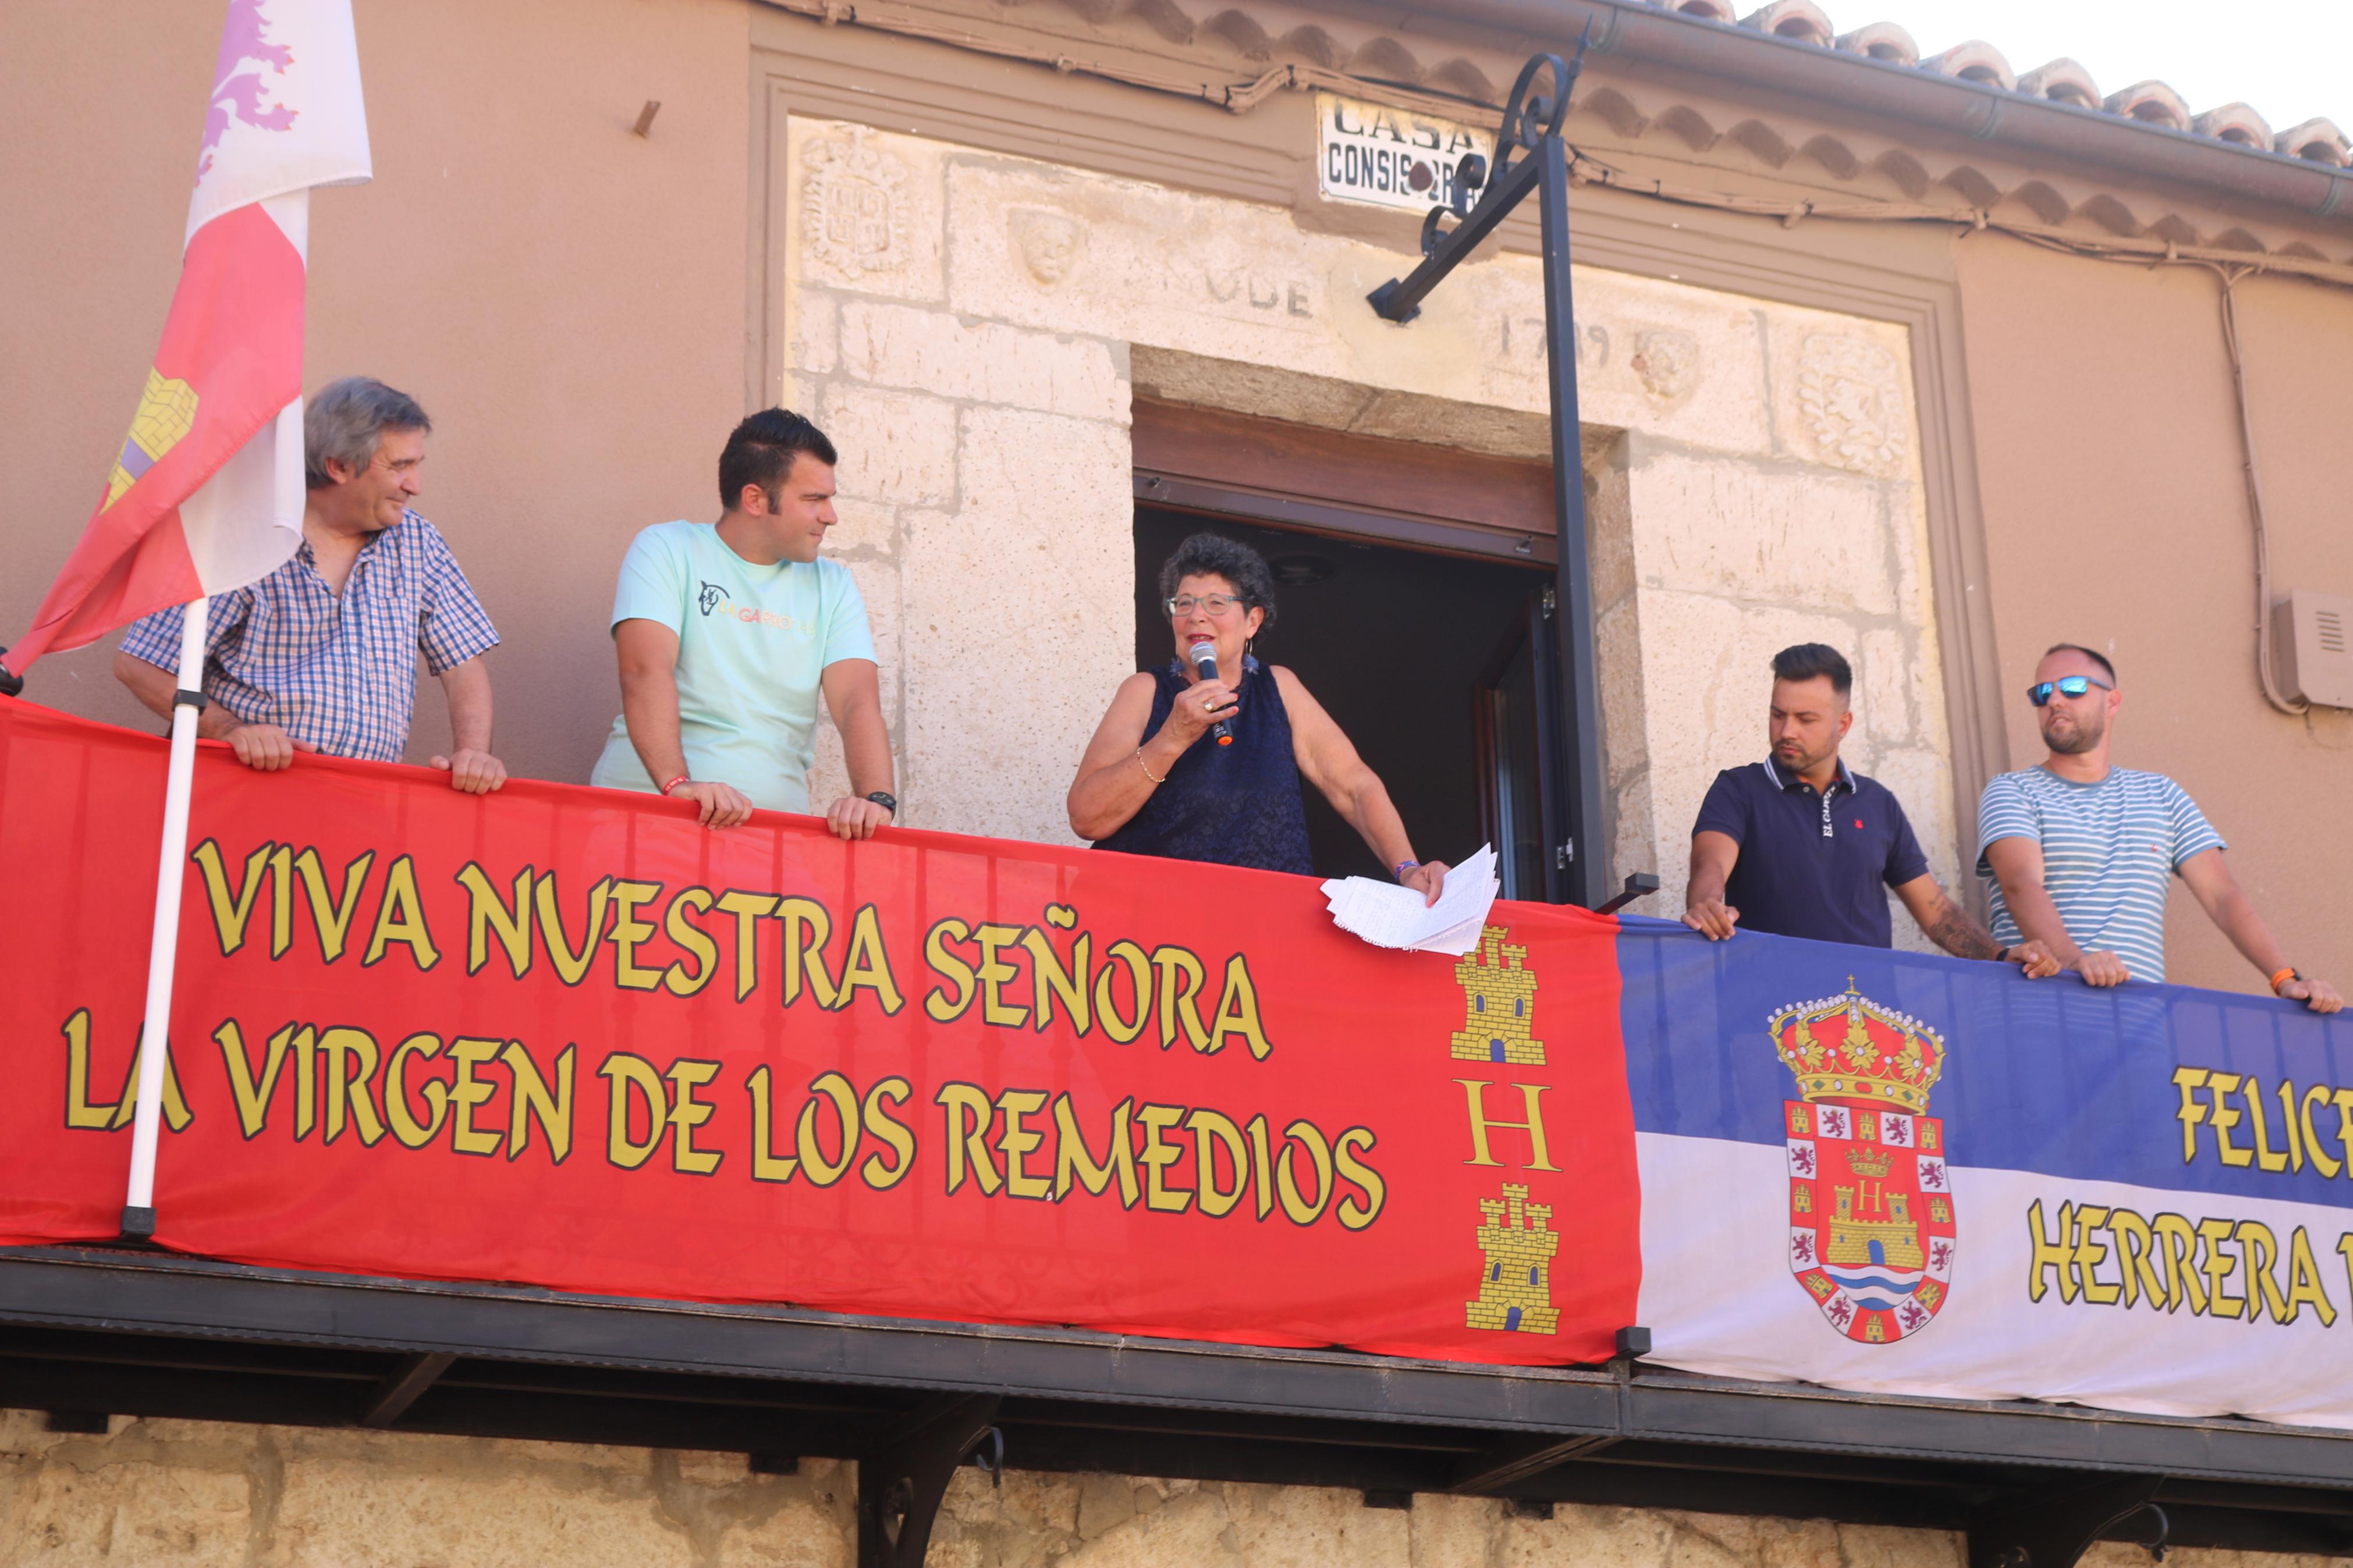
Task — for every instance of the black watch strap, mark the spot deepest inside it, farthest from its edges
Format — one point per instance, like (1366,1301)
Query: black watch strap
(886,800)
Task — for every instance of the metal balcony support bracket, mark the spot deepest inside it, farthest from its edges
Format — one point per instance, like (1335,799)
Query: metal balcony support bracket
(1500,1468)
(901,1480)
(1506,1466)
(1639,885)
(2052,1527)
(401,1388)
(1531,126)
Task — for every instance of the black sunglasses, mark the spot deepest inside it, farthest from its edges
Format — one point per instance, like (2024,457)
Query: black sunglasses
(2065,686)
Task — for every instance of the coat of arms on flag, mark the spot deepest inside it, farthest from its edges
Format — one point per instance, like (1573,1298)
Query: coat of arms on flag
(1870,1199)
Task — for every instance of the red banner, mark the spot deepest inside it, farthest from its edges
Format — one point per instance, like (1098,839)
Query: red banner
(569,1038)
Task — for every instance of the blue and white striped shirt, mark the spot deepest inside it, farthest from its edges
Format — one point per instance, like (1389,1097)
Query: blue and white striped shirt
(339,672)
(2110,851)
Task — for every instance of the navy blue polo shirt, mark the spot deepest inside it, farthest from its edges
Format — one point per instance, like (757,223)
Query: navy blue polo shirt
(1811,864)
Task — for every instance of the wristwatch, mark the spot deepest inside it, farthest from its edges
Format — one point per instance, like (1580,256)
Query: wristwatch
(886,800)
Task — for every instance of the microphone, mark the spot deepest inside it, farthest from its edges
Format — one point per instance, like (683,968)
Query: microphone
(1205,664)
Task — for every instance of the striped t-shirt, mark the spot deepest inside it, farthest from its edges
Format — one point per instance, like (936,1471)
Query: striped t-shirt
(2109,852)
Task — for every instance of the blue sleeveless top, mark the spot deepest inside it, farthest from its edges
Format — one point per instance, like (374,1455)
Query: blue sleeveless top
(1230,805)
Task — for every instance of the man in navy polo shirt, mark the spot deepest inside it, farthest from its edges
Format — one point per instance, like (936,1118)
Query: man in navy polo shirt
(1799,844)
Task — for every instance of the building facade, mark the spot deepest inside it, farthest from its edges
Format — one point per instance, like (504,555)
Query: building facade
(1855,367)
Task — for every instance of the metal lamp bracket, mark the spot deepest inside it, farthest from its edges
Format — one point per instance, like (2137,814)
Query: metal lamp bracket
(1532,159)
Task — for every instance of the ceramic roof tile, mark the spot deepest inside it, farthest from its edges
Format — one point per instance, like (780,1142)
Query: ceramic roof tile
(2062,81)
(2318,139)
(2151,103)
(1881,41)
(1800,19)
(1976,60)
(2234,122)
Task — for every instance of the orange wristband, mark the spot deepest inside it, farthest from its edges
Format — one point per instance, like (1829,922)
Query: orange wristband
(2282,978)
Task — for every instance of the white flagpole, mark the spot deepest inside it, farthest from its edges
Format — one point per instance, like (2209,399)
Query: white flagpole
(287,493)
(139,1203)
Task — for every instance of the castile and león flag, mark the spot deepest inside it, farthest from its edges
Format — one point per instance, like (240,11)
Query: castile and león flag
(204,494)
(207,492)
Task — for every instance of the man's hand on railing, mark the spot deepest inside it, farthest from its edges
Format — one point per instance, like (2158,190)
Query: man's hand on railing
(472,772)
(265,747)
(2317,995)
(717,805)
(2100,967)
(2034,960)
(1711,918)
(854,816)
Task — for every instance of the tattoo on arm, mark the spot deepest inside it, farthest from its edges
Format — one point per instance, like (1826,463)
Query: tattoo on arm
(1956,934)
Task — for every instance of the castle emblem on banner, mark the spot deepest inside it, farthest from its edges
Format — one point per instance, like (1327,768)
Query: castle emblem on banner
(1871,1200)
(1517,1242)
(1499,1000)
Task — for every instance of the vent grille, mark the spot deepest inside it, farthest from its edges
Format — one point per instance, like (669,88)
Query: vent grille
(2331,629)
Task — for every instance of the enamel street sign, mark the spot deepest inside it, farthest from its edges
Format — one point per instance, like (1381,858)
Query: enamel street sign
(1389,157)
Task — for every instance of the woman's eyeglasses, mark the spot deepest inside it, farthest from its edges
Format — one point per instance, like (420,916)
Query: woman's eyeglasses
(2065,686)
(1216,605)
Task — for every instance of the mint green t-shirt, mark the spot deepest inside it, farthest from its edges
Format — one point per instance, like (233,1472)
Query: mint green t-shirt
(752,642)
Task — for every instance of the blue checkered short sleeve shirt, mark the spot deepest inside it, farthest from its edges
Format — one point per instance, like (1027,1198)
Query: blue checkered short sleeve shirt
(339,672)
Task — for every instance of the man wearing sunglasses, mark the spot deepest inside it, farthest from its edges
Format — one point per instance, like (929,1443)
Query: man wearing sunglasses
(2080,854)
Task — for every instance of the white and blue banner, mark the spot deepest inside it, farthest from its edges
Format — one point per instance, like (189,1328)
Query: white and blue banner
(1908,1174)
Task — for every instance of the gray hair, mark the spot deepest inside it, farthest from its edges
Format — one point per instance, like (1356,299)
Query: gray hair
(347,420)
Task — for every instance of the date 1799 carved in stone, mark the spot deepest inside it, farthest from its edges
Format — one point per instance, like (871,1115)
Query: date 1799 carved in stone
(854,206)
(1850,390)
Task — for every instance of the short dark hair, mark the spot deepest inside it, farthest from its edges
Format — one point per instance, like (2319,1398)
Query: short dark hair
(2095,655)
(1809,659)
(1215,555)
(760,451)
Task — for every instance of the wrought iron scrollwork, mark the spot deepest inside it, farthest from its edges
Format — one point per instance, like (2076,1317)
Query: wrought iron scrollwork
(1530,117)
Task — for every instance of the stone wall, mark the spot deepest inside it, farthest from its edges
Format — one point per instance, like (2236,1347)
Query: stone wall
(970,326)
(191,1494)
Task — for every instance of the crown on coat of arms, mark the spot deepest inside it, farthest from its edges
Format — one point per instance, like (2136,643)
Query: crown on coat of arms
(1871,1163)
(1850,1047)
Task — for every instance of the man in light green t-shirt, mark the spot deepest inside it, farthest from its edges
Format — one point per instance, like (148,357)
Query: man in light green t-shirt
(728,632)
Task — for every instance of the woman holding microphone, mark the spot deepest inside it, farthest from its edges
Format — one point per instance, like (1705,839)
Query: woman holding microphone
(1192,764)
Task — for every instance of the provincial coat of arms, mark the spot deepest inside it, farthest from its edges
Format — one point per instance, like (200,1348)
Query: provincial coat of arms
(1870,1199)
(853,204)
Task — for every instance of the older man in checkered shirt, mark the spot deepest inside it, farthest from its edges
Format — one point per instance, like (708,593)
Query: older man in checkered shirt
(321,654)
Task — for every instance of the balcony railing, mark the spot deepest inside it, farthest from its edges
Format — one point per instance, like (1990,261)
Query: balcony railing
(552,1113)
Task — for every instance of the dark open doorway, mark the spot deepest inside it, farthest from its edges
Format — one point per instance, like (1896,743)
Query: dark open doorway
(1399,644)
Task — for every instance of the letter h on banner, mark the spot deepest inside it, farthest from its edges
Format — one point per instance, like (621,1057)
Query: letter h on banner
(1539,1155)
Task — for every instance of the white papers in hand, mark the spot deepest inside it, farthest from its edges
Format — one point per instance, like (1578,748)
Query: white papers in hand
(1388,915)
